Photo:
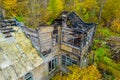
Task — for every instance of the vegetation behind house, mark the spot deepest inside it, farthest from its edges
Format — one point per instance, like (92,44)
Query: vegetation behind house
(104,12)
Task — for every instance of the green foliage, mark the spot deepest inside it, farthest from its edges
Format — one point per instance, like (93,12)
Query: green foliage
(88,10)
(100,53)
(55,7)
(107,60)
(103,56)
(110,15)
(111,10)
(103,33)
(20,18)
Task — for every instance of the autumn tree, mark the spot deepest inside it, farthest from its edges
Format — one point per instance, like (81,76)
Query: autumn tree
(111,11)
(116,25)
(71,5)
(10,7)
(76,73)
(37,12)
(101,5)
(54,8)
(22,7)
(88,10)
(1,2)
(110,14)
(33,12)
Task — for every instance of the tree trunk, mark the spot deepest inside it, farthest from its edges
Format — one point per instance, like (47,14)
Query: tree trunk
(101,8)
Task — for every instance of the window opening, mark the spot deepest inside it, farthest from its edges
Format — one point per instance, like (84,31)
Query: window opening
(52,64)
(29,76)
(67,61)
(55,36)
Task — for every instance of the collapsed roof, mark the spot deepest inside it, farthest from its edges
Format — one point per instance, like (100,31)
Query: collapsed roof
(76,24)
(73,21)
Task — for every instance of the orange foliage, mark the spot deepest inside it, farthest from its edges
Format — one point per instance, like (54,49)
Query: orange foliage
(116,25)
(10,6)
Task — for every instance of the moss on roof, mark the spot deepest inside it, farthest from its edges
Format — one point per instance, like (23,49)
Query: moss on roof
(17,55)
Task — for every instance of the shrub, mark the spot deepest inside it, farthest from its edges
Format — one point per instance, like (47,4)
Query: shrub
(116,25)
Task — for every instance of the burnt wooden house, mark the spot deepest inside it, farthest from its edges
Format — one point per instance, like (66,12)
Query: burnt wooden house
(39,54)
(66,42)
(76,39)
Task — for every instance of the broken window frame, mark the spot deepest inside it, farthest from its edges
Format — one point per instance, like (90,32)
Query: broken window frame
(68,61)
(28,76)
(66,34)
(55,37)
(52,64)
